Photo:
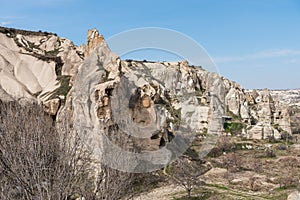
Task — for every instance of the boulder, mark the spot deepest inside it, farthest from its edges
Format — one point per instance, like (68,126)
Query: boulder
(294,196)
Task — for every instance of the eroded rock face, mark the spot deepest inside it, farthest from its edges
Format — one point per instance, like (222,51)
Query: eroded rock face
(135,110)
(36,66)
(93,40)
(294,112)
(263,117)
(292,99)
(39,66)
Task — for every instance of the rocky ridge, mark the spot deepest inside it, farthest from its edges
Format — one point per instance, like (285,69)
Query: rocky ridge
(91,82)
(37,66)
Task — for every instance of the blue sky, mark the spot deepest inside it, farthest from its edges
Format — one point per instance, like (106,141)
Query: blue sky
(253,42)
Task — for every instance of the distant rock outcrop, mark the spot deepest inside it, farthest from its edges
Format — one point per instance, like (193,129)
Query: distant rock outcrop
(292,99)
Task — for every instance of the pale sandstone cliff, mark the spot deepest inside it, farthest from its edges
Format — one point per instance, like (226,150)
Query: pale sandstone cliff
(37,66)
(164,96)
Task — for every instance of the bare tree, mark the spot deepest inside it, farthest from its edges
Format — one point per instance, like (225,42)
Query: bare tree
(113,184)
(40,159)
(253,185)
(231,161)
(291,175)
(186,173)
(36,160)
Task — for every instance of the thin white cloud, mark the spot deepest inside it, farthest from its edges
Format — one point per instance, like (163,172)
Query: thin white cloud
(7,20)
(293,61)
(47,2)
(5,23)
(10,19)
(278,53)
(258,55)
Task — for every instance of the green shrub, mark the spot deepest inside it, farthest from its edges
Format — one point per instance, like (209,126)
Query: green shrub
(233,127)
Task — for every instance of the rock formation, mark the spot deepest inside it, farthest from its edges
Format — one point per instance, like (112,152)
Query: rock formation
(292,99)
(37,66)
(93,40)
(142,107)
(294,196)
(112,100)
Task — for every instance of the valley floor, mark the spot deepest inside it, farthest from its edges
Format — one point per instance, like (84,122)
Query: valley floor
(245,174)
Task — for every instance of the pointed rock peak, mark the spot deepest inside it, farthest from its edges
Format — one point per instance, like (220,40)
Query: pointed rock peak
(93,40)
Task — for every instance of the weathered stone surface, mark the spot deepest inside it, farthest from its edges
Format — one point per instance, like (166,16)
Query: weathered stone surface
(36,66)
(43,67)
(52,106)
(294,196)
(263,131)
(233,101)
(264,116)
(141,106)
(294,112)
(93,40)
